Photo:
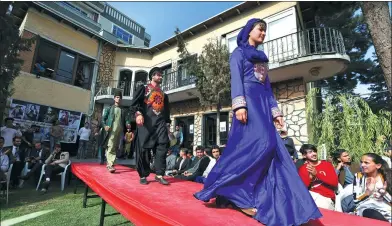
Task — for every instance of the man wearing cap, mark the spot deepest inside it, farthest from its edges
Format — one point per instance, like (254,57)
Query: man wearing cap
(113,121)
(150,106)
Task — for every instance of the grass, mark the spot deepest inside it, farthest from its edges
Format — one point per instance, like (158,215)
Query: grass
(67,207)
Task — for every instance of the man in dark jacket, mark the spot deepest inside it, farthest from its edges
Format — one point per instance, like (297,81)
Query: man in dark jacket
(36,159)
(150,106)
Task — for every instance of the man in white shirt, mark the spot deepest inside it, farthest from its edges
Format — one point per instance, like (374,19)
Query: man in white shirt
(9,132)
(4,161)
(84,134)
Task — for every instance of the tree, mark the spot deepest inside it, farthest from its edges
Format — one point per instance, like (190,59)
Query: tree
(11,44)
(350,124)
(377,17)
(211,70)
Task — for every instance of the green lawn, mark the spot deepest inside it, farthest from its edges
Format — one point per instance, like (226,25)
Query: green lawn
(67,207)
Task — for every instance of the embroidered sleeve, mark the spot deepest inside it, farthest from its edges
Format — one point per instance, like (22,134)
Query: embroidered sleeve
(276,112)
(238,102)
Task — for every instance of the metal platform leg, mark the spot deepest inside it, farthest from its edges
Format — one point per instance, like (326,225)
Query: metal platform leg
(102,218)
(85,196)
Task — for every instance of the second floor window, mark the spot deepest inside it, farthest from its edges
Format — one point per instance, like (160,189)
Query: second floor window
(122,34)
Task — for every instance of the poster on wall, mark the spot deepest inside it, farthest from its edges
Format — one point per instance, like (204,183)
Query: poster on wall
(222,126)
(191,129)
(27,114)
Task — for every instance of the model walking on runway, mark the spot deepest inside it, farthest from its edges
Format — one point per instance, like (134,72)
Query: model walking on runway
(255,172)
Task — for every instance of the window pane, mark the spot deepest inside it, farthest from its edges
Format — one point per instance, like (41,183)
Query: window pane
(65,67)
(84,73)
(232,43)
(122,34)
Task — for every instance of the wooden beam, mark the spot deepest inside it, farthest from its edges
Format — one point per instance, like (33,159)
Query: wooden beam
(221,20)
(205,26)
(238,11)
(191,33)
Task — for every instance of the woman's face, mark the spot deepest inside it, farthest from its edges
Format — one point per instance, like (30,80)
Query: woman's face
(368,165)
(258,33)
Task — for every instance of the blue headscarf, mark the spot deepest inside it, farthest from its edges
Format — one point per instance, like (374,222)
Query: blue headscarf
(250,52)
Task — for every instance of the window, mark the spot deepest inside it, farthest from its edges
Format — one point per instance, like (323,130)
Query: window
(63,65)
(232,43)
(122,34)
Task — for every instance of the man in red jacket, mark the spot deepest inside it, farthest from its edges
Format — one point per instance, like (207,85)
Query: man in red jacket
(319,177)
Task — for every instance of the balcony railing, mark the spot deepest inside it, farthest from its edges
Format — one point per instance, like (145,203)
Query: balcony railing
(177,79)
(71,14)
(108,87)
(314,41)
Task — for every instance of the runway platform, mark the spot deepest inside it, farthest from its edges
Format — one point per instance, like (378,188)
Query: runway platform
(156,204)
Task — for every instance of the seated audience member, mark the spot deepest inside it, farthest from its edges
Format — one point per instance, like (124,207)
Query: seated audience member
(4,161)
(288,143)
(36,159)
(199,155)
(345,169)
(319,176)
(371,190)
(170,160)
(181,165)
(388,155)
(16,157)
(55,164)
(198,169)
(215,153)
(190,155)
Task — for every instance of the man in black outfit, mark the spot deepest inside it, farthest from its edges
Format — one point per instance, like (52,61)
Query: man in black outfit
(150,107)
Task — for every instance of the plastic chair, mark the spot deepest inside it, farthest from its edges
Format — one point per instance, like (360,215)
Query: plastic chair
(63,174)
(8,179)
(26,169)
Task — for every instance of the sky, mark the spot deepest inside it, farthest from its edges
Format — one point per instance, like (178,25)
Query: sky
(161,18)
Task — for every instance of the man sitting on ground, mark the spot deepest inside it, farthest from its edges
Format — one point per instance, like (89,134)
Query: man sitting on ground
(55,164)
(199,168)
(319,177)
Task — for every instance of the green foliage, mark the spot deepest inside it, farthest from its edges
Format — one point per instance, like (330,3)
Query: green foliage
(11,44)
(350,124)
(211,69)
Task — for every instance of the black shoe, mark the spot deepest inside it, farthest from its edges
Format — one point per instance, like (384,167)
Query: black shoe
(161,180)
(45,185)
(26,177)
(143,181)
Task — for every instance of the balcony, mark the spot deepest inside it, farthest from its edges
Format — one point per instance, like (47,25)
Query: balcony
(312,54)
(70,14)
(105,91)
(179,86)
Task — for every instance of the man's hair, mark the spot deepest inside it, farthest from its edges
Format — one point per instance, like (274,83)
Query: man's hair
(2,138)
(215,147)
(13,139)
(305,147)
(199,148)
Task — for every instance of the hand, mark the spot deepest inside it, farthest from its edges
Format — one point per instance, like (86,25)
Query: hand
(30,145)
(140,120)
(279,122)
(312,170)
(242,115)
(339,166)
(107,128)
(370,185)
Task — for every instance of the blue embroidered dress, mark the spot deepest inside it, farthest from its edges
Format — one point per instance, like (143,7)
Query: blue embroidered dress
(255,169)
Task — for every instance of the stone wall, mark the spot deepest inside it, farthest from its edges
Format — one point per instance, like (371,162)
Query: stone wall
(106,64)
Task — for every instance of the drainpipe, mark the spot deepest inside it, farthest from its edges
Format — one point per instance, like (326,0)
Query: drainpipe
(93,83)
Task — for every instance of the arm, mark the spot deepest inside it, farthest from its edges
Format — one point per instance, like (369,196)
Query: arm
(49,159)
(271,99)
(237,80)
(329,177)
(105,117)
(137,104)
(304,174)
(65,159)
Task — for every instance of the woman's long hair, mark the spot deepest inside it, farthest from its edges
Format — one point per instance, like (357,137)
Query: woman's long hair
(384,170)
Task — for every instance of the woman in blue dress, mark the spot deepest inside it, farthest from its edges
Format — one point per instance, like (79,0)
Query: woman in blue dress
(256,173)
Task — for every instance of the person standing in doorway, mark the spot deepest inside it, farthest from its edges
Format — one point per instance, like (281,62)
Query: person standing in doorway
(179,138)
(113,124)
(150,105)
(56,133)
(84,134)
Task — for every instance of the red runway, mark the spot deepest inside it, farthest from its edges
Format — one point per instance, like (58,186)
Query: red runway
(155,204)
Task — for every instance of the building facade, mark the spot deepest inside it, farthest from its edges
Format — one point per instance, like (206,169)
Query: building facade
(299,53)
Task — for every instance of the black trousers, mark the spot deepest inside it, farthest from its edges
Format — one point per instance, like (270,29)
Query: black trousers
(16,171)
(144,157)
(51,170)
(35,168)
